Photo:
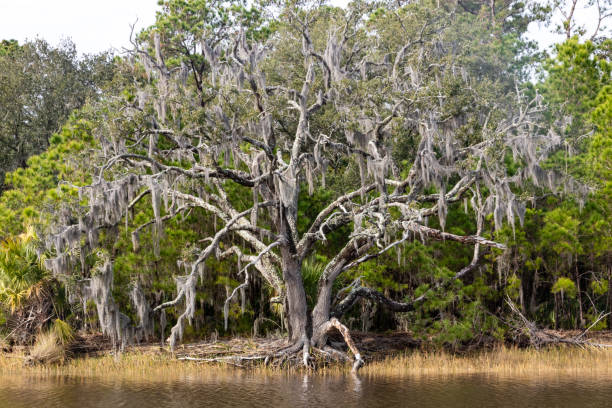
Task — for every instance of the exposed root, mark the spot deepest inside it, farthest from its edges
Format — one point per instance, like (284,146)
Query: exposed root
(299,354)
(337,354)
(291,349)
(344,331)
(306,353)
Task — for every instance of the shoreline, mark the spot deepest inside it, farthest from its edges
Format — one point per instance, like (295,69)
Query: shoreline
(499,361)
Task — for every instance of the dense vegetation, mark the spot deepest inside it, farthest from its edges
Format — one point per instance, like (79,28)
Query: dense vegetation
(462,135)
(40,85)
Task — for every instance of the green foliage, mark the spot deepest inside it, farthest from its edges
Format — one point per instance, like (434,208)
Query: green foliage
(599,224)
(565,287)
(40,86)
(35,187)
(311,272)
(513,287)
(574,78)
(599,287)
(63,332)
(565,240)
(21,272)
(560,233)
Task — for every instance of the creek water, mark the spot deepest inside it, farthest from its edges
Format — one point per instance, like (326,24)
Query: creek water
(299,390)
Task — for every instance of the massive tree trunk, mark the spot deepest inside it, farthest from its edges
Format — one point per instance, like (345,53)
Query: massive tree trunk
(322,310)
(321,313)
(297,308)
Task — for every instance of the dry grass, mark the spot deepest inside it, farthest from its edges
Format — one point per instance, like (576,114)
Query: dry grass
(128,366)
(4,345)
(48,349)
(502,361)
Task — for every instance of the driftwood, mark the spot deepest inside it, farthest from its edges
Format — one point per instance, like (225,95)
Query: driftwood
(538,337)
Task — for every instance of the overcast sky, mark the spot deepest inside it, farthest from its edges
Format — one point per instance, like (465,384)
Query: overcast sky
(97,25)
(93,25)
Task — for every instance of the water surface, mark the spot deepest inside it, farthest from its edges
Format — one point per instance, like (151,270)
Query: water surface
(236,389)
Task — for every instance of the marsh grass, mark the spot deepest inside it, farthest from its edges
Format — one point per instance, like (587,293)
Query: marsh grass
(502,361)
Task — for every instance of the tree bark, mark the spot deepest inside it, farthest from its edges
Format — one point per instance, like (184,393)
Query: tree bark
(321,314)
(322,310)
(297,308)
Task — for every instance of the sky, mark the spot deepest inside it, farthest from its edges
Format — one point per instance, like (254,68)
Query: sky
(98,25)
(93,25)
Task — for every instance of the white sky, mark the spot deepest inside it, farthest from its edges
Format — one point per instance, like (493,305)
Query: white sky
(97,25)
(93,25)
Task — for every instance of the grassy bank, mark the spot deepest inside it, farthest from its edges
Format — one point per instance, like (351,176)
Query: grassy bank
(500,361)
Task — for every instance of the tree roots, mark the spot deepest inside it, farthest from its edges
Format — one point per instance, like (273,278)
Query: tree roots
(303,356)
(301,353)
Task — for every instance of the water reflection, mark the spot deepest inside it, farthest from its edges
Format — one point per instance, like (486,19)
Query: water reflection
(356,382)
(303,390)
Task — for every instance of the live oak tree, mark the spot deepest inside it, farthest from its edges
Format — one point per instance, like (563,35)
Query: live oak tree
(242,112)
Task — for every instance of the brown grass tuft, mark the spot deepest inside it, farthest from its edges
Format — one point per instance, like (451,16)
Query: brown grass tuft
(48,349)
